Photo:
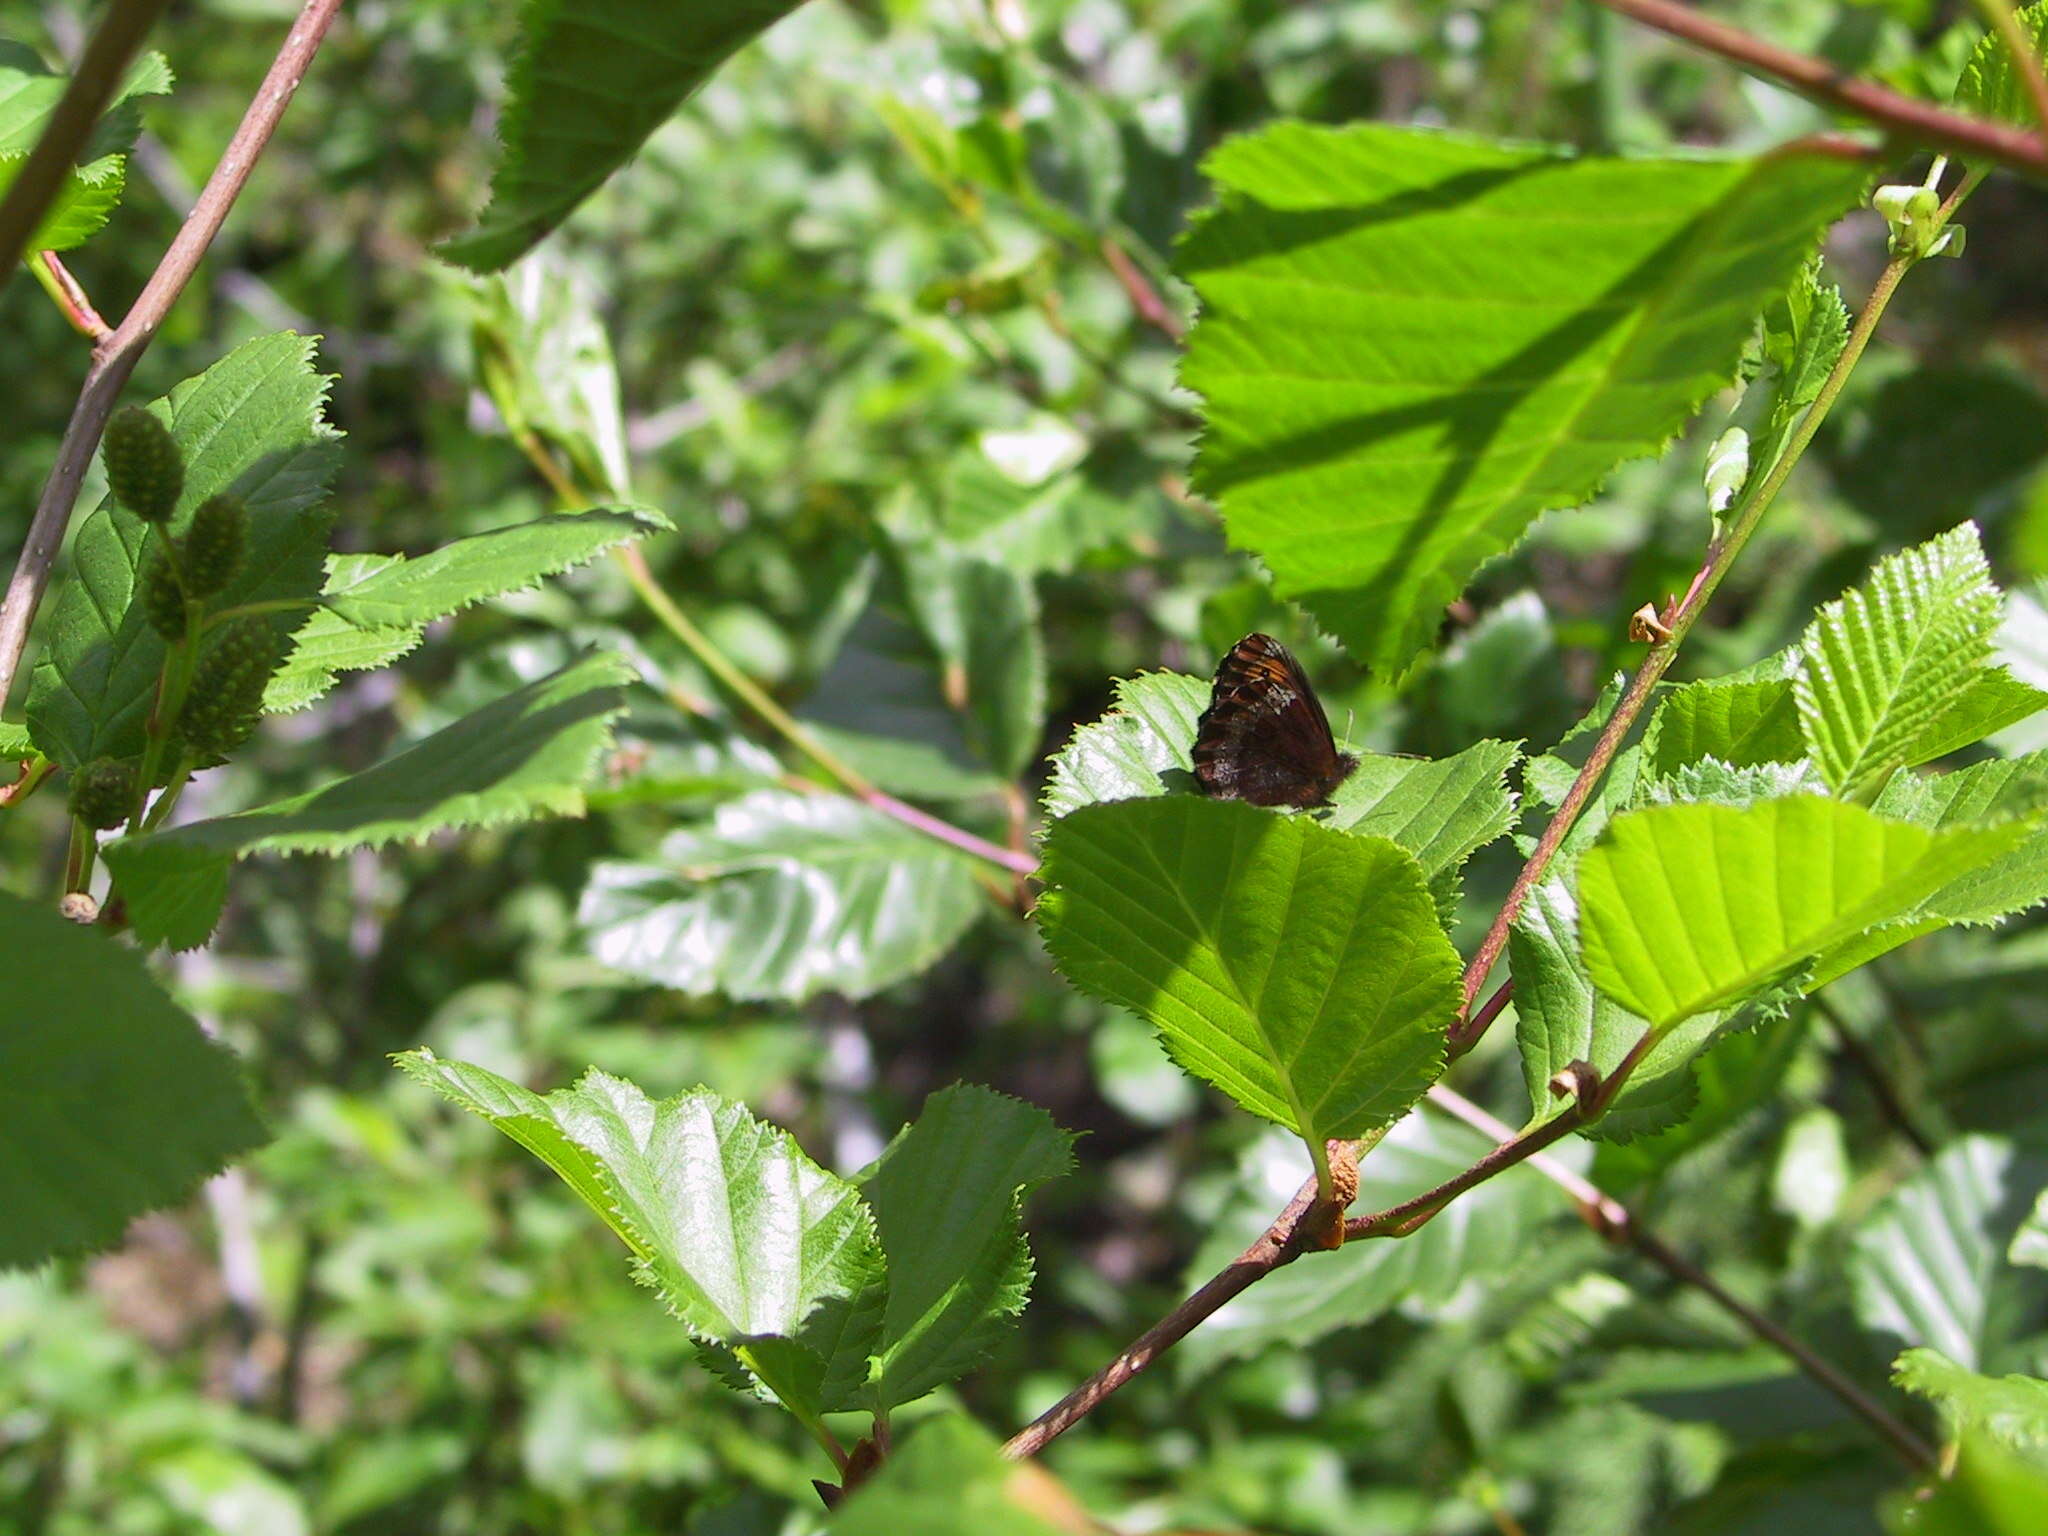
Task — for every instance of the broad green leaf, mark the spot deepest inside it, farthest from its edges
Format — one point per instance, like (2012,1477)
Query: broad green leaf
(1411,343)
(1738,1071)
(1738,723)
(1034,525)
(1928,1263)
(948,1479)
(982,619)
(1442,810)
(522,757)
(1990,1492)
(1299,969)
(2012,1410)
(376,607)
(1995,791)
(15,741)
(111,1100)
(30,90)
(744,1238)
(1886,662)
(1486,1231)
(1711,781)
(586,89)
(1129,753)
(946,1197)
(85,199)
(252,422)
(1686,908)
(1989,85)
(1560,1018)
(1992,701)
(783,895)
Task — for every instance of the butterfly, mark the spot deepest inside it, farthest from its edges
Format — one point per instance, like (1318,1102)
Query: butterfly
(1264,737)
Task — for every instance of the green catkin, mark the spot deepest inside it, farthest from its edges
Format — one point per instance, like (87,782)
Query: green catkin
(103,792)
(145,469)
(226,697)
(213,546)
(163,597)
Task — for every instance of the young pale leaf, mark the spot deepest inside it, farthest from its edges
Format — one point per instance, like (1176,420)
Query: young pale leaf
(1928,1264)
(745,1239)
(949,1479)
(1885,663)
(1486,1231)
(1410,343)
(1686,908)
(251,423)
(946,1197)
(1300,970)
(783,895)
(1739,723)
(2012,1410)
(1129,752)
(585,90)
(1989,86)
(111,1100)
(522,757)
(1803,335)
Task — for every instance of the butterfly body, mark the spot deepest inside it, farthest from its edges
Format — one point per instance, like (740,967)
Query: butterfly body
(1264,738)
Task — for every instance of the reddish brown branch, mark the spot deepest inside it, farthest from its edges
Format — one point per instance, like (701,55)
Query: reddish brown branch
(1920,122)
(71,123)
(115,358)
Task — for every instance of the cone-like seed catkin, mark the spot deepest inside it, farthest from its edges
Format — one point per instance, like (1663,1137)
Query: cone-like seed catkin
(226,697)
(103,792)
(214,544)
(162,598)
(145,470)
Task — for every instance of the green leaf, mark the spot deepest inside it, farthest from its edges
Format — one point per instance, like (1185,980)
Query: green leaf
(84,200)
(949,1479)
(1127,754)
(1992,701)
(1981,793)
(1442,810)
(1738,1071)
(111,1100)
(947,1195)
(783,895)
(30,90)
(1885,663)
(1034,525)
(1990,1493)
(252,423)
(1928,1263)
(1486,1231)
(522,757)
(743,1237)
(1740,724)
(1411,343)
(377,607)
(1686,908)
(1803,335)
(2030,1242)
(2011,1410)
(1560,1018)
(1300,970)
(1989,85)
(585,90)
(982,619)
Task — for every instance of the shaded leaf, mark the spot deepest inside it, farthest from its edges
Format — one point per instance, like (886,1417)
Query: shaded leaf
(946,1196)
(524,756)
(1989,85)
(949,1479)
(111,1100)
(1442,810)
(1127,754)
(783,895)
(2011,1410)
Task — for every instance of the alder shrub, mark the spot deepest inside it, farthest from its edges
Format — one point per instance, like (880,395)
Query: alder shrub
(1407,344)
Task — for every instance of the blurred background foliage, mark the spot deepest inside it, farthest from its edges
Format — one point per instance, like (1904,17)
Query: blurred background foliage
(871,273)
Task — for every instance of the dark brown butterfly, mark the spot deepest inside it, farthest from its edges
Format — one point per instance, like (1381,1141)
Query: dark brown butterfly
(1264,737)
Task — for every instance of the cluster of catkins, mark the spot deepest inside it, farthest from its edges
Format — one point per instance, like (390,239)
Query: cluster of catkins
(179,578)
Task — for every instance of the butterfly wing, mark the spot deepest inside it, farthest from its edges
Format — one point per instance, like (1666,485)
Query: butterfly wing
(1264,737)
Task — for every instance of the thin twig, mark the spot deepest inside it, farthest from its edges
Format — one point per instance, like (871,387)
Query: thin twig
(115,358)
(1891,1105)
(1145,299)
(1281,1243)
(1906,118)
(93,83)
(1615,1222)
